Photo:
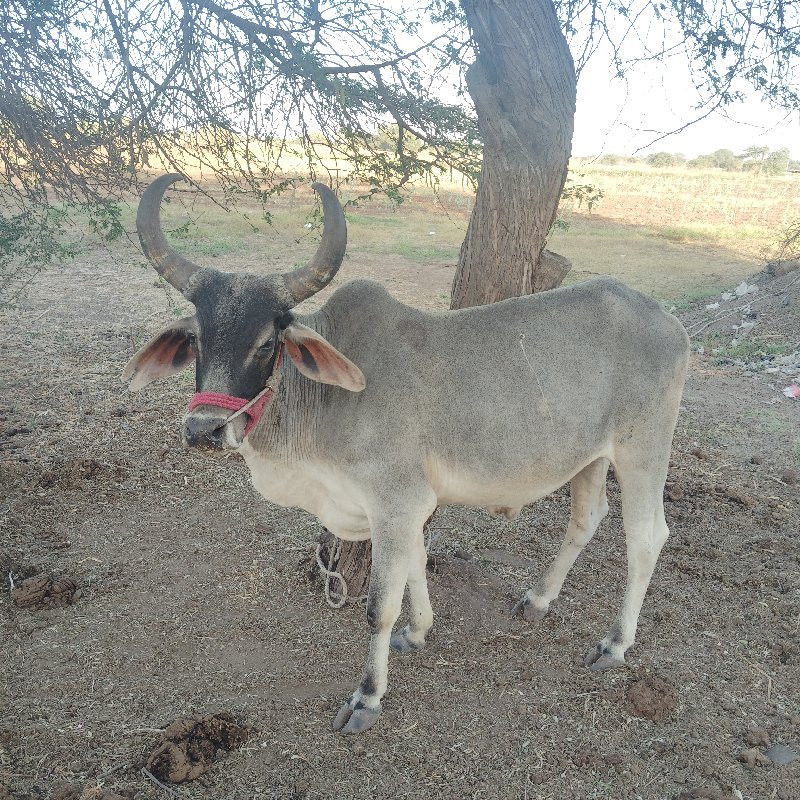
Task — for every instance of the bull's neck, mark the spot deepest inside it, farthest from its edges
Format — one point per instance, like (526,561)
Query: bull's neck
(288,427)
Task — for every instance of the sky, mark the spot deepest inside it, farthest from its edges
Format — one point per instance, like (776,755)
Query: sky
(626,116)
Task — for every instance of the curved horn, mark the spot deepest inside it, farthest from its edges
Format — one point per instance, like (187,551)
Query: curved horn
(319,272)
(168,262)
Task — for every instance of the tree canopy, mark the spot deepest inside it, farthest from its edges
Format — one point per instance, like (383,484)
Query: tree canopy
(93,90)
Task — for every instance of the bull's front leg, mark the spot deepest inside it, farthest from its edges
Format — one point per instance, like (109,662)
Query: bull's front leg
(393,548)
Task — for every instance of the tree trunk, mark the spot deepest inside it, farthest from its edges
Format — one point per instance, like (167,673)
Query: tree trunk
(523,86)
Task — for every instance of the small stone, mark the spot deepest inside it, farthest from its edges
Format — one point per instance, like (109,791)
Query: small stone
(739,497)
(789,477)
(698,453)
(675,492)
(781,754)
(756,460)
(463,555)
(359,749)
(757,737)
(753,757)
(69,791)
(120,411)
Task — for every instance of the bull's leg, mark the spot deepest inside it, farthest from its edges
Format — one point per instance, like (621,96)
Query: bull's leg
(646,531)
(412,637)
(588,508)
(392,552)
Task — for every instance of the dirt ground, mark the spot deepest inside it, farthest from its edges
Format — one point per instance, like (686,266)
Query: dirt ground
(192,600)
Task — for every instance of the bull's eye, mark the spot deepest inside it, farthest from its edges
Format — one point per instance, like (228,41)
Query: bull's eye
(265,350)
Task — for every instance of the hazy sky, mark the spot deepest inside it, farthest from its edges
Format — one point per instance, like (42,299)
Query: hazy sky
(615,116)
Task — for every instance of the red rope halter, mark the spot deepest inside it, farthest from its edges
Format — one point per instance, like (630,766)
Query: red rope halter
(253,408)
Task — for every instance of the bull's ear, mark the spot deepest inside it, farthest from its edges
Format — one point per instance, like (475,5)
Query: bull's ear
(167,354)
(321,361)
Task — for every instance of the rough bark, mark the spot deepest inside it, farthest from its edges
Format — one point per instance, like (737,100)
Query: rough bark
(523,86)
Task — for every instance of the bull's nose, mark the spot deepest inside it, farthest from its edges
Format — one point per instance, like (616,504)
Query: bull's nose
(202,431)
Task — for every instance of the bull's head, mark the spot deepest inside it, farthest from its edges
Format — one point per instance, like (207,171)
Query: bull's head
(240,323)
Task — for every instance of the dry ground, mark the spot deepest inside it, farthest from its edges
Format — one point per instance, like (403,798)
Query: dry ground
(193,598)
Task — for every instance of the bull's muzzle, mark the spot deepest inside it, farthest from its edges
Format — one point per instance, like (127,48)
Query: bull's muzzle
(205,432)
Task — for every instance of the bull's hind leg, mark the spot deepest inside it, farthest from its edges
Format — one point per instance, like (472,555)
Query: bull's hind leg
(412,637)
(588,507)
(641,476)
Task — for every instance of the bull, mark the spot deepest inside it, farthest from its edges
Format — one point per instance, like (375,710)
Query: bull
(379,413)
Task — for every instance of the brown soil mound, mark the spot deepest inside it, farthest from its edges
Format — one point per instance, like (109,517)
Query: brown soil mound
(45,591)
(75,473)
(188,746)
(652,698)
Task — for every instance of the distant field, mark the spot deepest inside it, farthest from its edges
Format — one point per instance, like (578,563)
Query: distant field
(740,211)
(677,234)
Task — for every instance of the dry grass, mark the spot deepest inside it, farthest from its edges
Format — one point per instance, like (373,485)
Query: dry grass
(677,234)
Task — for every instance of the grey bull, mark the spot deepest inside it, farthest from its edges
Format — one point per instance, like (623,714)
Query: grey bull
(382,412)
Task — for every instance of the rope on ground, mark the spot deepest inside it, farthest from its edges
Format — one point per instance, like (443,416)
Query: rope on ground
(329,573)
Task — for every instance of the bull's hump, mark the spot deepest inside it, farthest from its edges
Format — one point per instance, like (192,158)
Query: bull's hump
(362,293)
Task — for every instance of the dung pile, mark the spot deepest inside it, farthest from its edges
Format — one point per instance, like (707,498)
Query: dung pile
(188,746)
(45,591)
(652,698)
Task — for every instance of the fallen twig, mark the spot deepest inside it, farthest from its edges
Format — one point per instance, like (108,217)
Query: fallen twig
(144,730)
(149,775)
(113,769)
(767,676)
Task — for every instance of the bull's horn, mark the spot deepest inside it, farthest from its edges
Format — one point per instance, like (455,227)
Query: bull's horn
(168,262)
(319,272)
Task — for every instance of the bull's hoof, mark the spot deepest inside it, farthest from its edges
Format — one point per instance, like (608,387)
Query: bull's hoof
(600,658)
(402,643)
(529,612)
(355,720)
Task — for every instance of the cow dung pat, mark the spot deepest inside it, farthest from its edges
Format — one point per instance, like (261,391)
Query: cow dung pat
(188,746)
(651,698)
(45,591)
